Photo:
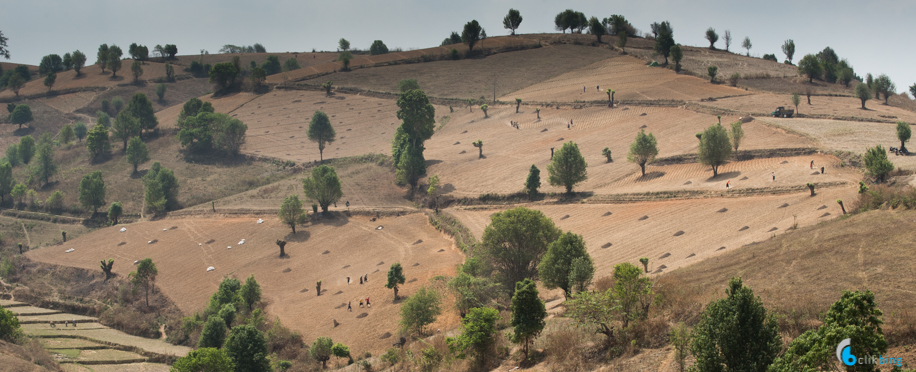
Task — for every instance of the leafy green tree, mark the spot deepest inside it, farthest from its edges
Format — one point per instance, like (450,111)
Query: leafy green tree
(568,167)
(272,65)
(622,40)
(116,104)
(137,153)
(114,212)
(484,108)
(395,278)
(676,55)
(102,118)
(809,65)
(79,129)
(321,350)
(788,48)
(26,149)
(114,59)
(846,75)
(712,37)
(323,186)
(903,133)
(229,134)
(420,310)
(796,100)
(715,148)
(512,20)
(533,181)
(556,264)
(596,28)
(21,114)
(6,179)
(141,108)
(291,212)
(9,324)
(411,165)
(736,134)
(15,83)
(102,57)
(207,359)
(581,272)
(4,51)
(712,71)
(885,86)
(171,50)
(227,314)
(258,77)
(247,348)
(250,292)
(528,313)
(664,39)
(632,291)
(137,70)
(471,34)
(223,75)
(144,276)
(196,132)
(321,131)
(66,134)
(50,63)
(433,190)
(344,58)
(471,291)
(854,316)
(12,154)
(746,44)
(478,334)
(125,127)
(341,351)
(291,64)
(378,47)
(169,72)
(736,333)
(863,93)
(876,163)
(49,81)
(598,310)
(154,196)
(643,150)
(44,163)
(408,84)
(516,240)
(18,192)
(343,44)
(226,293)
(160,91)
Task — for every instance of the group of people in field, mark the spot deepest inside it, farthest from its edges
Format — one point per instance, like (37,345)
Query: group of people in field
(362,279)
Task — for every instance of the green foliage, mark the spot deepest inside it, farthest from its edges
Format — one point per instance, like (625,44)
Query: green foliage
(229,134)
(516,240)
(340,350)
(809,65)
(49,80)
(227,314)
(408,84)
(55,201)
(247,348)
(344,58)
(395,278)
(903,133)
(664,39)
(512,20)
(114,59)
(6,179)
(679,338)
(643,150)
(102,57)
(197,132)
(323,186)
(137,70)
(102,118)
(377,47)
(581,272)
(632,291)
(607,154)
(213,334)
(597,310)
(144,276)
(44,163)
(9,326)
(484,108)
(555,267)
(736,134)
(568,167)
(21,114)
(15,83)
(164,179)
(715,148)
(137,153)
(321,350)
(258,76)
(271,65)
(141,108)
(712,71)
(92,191)
(223,75)
(226,293)
(291,64)
(596,28)
(854,316)
(206,359)
(343,44)
(863,93)
(66,134)
(533,182)
(746,44)
(321,131)
(250,292)
(478,333)
(885,86)
(528,313)
(160,91)
(125,127)
(471,291)
(169,74)
(117,104)
(420,310)
(114,212)
(418,116)
(80,130)
(876,163)
(291,212)
(18,192)
(50,64)
(12,154)
(470,35)
(788,48)
(736,333)
(712,37)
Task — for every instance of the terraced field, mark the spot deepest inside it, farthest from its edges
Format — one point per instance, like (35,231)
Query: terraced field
(835,107)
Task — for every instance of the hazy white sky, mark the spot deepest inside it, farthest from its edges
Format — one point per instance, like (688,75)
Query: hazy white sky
(871,35)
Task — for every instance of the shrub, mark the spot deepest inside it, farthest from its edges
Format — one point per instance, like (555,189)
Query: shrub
(454,54)
(770,57)
(160,91)
(291,64)
(420,310)
(378,47)
(733,79)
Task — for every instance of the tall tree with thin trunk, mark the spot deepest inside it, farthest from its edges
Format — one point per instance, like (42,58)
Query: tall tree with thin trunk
(395,278)
(643,150)
(137,153)
(712,37)
(746,44)
(788,48)
(728,39)
(795,101)
(144,276)
(291,212)
(512,20)
(114,59)
(321,131)
(736,134)
(471,34)
(528,314)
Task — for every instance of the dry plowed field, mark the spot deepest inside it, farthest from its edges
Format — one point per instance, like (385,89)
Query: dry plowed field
(509,152)
(838,107)
(629,77)
(698,59)
(330,251)
(92,76)
(681,232)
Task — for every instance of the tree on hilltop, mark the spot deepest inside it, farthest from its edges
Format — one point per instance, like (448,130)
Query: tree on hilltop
(809,65)
(788,48)
(137,70)
(114,59)
(746,44)
(643,150)
(712,36)
(4,51)
(343,44)
(378,47)
(49,81)
(885,86)
(664,39)
(512,20)
(471,34)
(728,39)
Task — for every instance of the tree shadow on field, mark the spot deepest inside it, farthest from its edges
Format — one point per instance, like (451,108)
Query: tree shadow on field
(300,236)
(446,188)
(725,175)
(21,132)
(49,186)
(330,218)
(139,174)
(215,158)
(432,162)
(650,176)
(116,78)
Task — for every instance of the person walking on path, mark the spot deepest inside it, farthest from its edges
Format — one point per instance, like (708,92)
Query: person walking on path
(728,184)
(367,302)
(350,306)
(360,279)
(348,280)
(774,176)
(360,302)
(812,164)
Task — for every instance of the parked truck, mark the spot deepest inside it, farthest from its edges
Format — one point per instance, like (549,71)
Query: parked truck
(781,112)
